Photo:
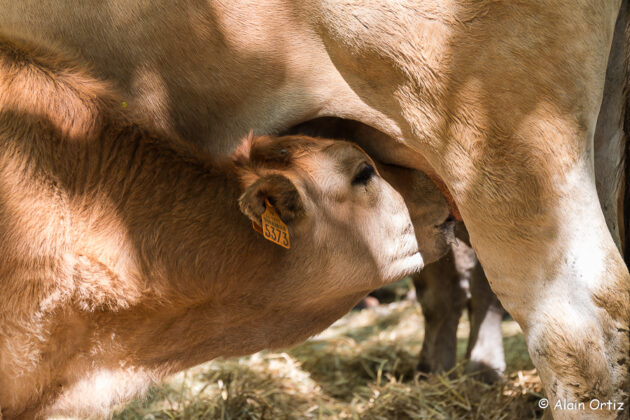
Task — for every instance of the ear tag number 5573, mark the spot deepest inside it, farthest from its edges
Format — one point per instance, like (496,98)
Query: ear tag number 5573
(273,228)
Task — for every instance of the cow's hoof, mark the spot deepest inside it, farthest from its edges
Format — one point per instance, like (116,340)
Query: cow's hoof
(424,368)
(484,373)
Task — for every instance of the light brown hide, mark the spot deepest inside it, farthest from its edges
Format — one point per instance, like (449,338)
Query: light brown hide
(501,98)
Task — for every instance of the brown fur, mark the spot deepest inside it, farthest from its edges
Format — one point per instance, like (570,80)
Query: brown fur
(499,98)
(122,251)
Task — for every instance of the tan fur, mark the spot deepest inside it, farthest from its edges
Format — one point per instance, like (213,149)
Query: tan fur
(123,252)
(499,98)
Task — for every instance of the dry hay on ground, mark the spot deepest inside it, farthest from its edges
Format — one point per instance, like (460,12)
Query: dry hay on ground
(362,367)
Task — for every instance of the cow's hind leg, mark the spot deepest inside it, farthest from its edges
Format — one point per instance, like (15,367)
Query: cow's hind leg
(525,185)
(552,262)
(502,99)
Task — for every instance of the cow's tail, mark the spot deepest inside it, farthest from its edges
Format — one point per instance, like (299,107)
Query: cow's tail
(624,14)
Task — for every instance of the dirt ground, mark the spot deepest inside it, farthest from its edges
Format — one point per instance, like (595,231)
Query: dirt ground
(362,367)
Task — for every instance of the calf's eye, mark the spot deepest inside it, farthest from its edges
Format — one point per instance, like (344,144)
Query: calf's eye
(364,175)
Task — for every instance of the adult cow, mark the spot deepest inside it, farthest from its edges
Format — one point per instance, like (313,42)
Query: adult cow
(498,99)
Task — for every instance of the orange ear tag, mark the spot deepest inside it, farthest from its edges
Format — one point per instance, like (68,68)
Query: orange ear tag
(273,228)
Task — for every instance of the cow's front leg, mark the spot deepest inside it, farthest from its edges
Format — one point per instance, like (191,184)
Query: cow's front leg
(443,289)
(485,344)
(485,353)
(442,299)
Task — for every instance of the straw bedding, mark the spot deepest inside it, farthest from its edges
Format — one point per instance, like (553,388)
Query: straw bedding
(362,367)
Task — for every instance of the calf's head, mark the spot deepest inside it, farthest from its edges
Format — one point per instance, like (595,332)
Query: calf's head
(346,223)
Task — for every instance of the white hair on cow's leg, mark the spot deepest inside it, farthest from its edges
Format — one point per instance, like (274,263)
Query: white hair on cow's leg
(101,389)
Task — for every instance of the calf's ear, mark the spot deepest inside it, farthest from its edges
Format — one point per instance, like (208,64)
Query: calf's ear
(279,191)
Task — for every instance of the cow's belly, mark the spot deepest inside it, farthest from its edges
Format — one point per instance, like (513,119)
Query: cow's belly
(210,72)
(202,72)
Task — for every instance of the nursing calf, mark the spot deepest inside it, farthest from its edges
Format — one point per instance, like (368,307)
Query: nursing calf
(123,254)
(448,282)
